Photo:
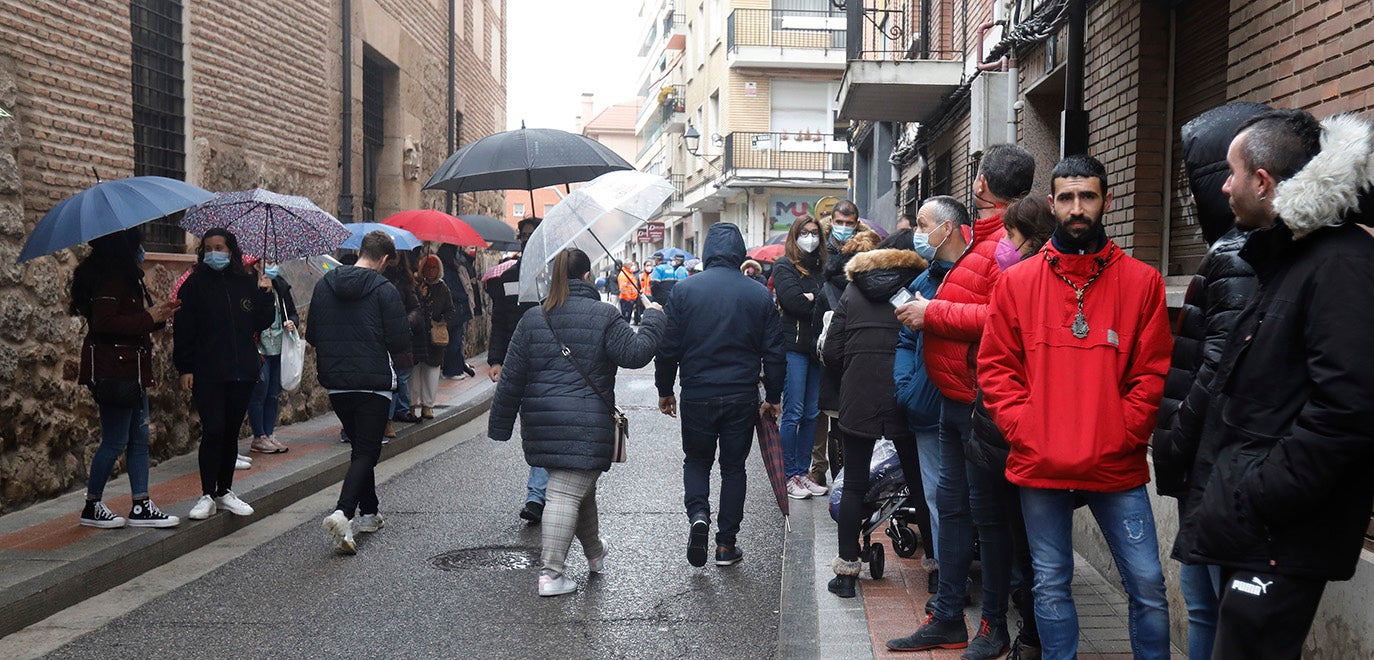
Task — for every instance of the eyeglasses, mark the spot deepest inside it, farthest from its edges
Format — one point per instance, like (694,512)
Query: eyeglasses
(808,233)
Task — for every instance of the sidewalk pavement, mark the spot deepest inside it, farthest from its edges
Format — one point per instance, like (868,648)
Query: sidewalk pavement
(48,561)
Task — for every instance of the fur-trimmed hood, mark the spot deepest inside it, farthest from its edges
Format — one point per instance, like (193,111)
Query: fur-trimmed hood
(1332,184)
(879,274)
(863,240)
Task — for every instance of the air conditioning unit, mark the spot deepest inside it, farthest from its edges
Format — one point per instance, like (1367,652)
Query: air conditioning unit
(989,104)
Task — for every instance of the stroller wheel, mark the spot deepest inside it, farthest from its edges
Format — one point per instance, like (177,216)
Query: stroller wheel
(904,541)
(876,561)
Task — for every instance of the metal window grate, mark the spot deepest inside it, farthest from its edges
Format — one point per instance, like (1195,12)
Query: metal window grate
(374,122)
(158,105)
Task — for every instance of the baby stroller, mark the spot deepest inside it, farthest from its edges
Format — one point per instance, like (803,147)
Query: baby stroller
(885,504)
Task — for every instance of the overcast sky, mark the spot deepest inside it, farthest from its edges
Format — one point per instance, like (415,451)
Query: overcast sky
(558,49)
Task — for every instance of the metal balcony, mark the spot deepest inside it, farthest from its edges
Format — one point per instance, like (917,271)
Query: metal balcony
(802,159)
(663,114)
(895,76)
(792,39)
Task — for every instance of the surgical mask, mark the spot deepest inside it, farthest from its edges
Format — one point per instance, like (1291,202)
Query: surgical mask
(921,243)
(216,260)
(842,234)
(140,255)
(271,272)
(808,242)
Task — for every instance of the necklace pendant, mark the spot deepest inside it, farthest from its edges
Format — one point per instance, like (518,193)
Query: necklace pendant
(1080,326)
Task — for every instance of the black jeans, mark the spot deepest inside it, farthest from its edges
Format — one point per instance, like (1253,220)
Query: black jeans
(858,455)
(1263,615)
(222,407)
(364,416)
(728,422)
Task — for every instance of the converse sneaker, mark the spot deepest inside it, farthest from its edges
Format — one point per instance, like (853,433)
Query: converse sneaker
(797,490)
(368,523)
(233,504)
(341,531)
(146,514)
(204,508)
(556,586)
(96,514)
(598,564)
(815,488)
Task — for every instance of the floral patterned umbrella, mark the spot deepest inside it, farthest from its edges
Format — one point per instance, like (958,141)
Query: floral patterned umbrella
(269,225)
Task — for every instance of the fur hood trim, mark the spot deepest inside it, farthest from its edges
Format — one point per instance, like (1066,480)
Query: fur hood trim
(1330,185)
(750,263)
(884,259)
(863,240)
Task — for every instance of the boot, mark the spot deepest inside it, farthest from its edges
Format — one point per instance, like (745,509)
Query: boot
(390,432)
(846,577)
(426,412)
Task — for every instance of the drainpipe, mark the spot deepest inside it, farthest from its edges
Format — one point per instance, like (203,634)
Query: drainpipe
(1169,166)
(452,18)
(346,118)
(1073,123)
(999,65)
(854,29)
(1013,91)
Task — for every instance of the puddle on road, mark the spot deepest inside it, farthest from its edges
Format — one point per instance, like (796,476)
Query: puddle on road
(493,558)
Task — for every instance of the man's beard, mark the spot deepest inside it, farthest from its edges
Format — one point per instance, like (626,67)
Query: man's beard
(1088,240)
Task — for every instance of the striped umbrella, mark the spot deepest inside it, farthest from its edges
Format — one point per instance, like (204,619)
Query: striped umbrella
(269,225)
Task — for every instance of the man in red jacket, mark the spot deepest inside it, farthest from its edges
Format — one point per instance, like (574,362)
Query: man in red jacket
(1072,368)
(953,323)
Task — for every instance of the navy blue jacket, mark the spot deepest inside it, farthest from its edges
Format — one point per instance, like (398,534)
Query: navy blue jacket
(721,327)
(357,322)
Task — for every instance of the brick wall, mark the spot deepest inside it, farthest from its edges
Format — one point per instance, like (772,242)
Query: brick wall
(1308,54)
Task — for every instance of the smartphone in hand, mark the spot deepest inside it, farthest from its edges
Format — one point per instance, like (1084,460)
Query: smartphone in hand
(901,298)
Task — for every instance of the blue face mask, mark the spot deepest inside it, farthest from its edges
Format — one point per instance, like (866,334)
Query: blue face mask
(271,272)
(842,234)
(140,255)
(921,243)
(216,260)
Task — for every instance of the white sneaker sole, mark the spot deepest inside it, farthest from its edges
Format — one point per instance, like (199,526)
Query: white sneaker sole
(558,591)
(799,496)
(172,521)
(103,524)
(343,541)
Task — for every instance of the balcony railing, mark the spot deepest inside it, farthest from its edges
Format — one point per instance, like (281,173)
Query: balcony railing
(786,28)
(893,34)
(679,182)
(787,155)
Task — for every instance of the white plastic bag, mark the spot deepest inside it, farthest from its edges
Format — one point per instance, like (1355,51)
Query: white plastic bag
(292,360)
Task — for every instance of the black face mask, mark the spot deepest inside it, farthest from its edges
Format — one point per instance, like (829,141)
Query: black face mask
(1091,241)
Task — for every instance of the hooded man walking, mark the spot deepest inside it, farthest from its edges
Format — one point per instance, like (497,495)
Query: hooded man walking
(722,326)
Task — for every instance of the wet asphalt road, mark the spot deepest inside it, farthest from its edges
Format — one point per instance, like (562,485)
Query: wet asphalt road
(292,597)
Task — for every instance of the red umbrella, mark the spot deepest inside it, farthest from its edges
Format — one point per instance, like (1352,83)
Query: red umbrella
(770,448)
(766,253)
(431,225)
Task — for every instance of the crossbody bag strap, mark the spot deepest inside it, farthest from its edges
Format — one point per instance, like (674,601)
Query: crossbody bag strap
(567,353)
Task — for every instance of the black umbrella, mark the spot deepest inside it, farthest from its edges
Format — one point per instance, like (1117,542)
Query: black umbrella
(497,234)
(525,159)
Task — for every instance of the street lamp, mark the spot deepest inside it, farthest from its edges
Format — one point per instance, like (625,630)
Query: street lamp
(692,139)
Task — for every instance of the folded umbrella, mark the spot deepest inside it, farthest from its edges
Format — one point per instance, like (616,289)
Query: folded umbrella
(108,207)
(270,225)
(431,225)
(403,239)
(770,449)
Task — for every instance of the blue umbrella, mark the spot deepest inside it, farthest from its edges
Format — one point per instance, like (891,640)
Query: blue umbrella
(108,207)
(403,239)
(669,253)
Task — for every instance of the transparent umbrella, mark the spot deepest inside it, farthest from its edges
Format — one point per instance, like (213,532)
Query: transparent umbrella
(601,213)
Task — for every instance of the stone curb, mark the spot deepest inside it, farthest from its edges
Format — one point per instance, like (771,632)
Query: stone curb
(36,599)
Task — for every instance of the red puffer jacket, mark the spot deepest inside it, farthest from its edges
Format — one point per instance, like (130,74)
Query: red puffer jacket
(955,318)
(1078,413)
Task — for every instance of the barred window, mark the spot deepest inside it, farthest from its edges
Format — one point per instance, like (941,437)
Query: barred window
(374,123)
(158,100)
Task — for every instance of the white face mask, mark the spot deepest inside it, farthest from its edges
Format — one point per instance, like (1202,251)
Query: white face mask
(808,243)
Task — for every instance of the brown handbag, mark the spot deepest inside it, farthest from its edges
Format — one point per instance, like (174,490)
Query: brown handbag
(438,333)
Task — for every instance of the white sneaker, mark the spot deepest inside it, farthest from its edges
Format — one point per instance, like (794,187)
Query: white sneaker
(204,508)
(556,586)
(340,529)
(797,490)
(245,458)
(233,504)
(241,464)
(815,488)
(368,523)
(598,564)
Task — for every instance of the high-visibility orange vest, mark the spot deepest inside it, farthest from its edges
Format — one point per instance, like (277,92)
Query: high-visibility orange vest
(644,282)
(627,285)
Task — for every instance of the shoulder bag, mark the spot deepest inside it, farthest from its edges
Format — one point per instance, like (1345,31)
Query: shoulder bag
(622,423)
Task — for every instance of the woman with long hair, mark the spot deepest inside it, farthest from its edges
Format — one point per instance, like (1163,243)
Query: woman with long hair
(559,376)
(437,303)
(264,404)
(223,308)
(117,366)
(402,276)
(798,279)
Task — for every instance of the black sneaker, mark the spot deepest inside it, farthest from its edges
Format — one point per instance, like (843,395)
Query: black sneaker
(533,512)
(696,541)
(146,514)
(933,634)
(467,369)
(728,555)
(96,514)
(990,642)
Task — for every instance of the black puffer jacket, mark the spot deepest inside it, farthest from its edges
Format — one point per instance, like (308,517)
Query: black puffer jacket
(1282,483)
(799,314)
(215,330)
(563,422)
(357,323)
(862,343)
(836,282)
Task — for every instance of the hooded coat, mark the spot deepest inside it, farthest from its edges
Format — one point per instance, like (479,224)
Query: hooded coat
(1281,484)
(564,423)
(957,315)
(357,323)
(722,326)
(1218,292)
(862,343)
(836,283)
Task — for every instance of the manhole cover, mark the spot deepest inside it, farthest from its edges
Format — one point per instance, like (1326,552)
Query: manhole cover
(495,558)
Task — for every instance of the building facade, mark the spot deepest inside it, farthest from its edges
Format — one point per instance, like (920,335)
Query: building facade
(343,102)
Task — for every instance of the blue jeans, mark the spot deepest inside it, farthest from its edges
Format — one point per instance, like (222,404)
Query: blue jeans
(400,401)
(1128,524)
(729,423)
(800,398)
(1199,585)
(263,405)
(537,485)
(121,428)
(968,496)
(454,356)
(928,452)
